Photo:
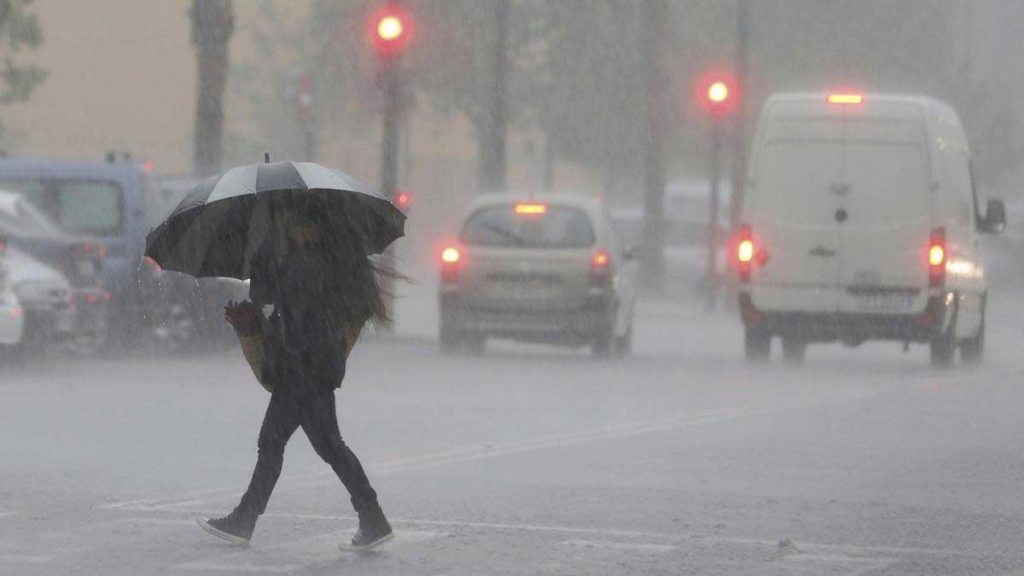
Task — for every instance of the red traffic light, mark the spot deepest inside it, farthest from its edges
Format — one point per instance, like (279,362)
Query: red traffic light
(718,93)
(403,200)
(390,29)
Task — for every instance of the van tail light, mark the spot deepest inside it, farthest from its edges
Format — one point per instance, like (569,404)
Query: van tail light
(937,258)
(451,263)
(601,269)
(746,252)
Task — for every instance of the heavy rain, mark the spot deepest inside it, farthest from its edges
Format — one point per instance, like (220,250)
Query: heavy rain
(511,287)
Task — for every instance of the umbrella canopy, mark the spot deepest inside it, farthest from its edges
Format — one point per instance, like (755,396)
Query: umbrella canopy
(219,225)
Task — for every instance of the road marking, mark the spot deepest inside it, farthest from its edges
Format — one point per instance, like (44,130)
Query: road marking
(25,559)
(157,521)
(7,514)
(255,568)
(639,547)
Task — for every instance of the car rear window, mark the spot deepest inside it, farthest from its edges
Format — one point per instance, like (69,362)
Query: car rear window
(502,226)
(78,206)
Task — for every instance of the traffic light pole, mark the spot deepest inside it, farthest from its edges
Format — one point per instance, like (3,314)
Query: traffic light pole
(714,175)
(391,83)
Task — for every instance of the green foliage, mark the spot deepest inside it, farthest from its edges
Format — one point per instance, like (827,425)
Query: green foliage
(19,30)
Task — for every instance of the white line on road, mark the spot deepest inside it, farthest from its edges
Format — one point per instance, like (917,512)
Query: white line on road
(255,568)
(25,559)
(7,514)
(157,521)
(639,547)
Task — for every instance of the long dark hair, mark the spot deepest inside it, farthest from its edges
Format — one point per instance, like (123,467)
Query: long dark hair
(365,280)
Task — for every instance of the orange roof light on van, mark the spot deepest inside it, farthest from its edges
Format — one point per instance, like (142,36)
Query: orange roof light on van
(845,98)
(531,209)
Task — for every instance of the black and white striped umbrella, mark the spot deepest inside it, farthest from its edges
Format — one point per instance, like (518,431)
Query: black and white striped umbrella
(220,224)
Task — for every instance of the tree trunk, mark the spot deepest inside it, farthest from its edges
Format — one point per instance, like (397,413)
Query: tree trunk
(494,125)
(656,99)
(212,26)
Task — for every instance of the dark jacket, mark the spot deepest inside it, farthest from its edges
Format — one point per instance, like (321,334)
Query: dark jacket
(314,298)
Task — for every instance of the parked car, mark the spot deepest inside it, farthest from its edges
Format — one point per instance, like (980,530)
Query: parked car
(861,222)
(78,260)
(45,296)
(12,316)
(548,270)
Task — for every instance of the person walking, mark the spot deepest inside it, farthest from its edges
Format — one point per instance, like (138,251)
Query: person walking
(323,289)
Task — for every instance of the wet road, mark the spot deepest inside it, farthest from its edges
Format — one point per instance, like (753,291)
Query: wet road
(679,460)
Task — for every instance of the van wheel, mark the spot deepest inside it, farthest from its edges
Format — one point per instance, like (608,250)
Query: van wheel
(972,351)
(757,344)
(943,350)
(794,351)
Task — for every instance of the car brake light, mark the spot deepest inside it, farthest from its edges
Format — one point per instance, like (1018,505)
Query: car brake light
(531,209)
(451,260)
(450,256)
(745,253)
(937,257)
(600,269)
(846,99)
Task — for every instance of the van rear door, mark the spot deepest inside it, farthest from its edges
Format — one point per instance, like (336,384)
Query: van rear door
(884,240)
(792,213)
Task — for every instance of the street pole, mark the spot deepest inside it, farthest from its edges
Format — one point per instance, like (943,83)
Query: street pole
(389,157)
(714,175)
(739,135)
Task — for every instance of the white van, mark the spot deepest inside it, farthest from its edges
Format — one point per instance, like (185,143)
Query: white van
(861,222)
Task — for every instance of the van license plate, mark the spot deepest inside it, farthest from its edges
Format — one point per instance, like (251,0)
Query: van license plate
(883,301)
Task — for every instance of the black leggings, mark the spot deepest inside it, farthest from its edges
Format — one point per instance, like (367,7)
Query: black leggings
(316,414)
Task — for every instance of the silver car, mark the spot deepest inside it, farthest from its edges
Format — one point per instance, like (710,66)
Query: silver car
(45,295)
(12,316)
(548,270)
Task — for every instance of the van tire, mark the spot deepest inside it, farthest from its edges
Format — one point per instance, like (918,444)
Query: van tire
(943,350)
(972,351)
(757,344)
(794,351)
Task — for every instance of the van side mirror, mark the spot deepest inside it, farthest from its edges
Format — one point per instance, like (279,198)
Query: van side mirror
(994,221)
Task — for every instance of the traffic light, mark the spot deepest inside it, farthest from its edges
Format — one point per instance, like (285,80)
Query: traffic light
(403,200)
(718,93)
(390,30)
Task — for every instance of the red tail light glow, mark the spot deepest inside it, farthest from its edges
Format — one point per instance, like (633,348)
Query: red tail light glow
(451,262)
(531,209)
(937,257)
(746,251)
(450,255)
(600,269)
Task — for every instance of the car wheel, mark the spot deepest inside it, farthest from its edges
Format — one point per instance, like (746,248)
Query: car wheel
(757,344)
(972,351)
(943,349)
(794,350)
(449,341)
(624,343)
(12,356)
(603,343)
